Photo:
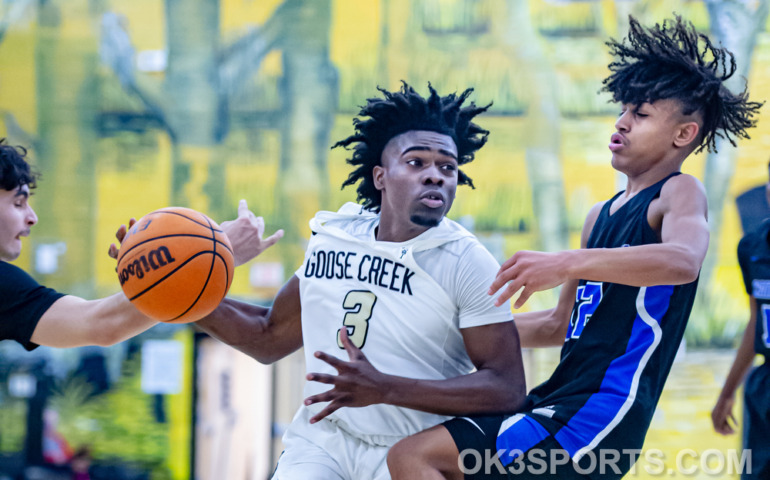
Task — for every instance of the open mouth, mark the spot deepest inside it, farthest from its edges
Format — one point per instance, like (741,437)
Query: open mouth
(432,199)
(616,142)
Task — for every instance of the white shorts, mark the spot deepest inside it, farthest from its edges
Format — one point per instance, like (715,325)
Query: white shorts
(323,451)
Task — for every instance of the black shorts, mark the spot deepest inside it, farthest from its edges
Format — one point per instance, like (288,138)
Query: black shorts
(476,438)
(756,421)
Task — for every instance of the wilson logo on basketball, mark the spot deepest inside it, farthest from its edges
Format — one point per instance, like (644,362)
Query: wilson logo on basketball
(154,260)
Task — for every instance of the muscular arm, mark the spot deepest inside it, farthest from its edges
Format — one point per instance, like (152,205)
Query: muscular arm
(74,322)
(679,214)
(265,334)
(496,386)
(676,260)
(744,359)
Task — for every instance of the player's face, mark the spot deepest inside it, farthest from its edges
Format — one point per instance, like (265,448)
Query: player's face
(16,218)
(418,179)
(646,135)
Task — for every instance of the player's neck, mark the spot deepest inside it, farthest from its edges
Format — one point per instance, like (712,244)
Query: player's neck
(387,232)
(638,181)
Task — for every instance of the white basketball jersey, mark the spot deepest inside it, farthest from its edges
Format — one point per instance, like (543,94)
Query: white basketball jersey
(403,320)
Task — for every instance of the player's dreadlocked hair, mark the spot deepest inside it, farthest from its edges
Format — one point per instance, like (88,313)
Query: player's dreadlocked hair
(403,111)
(667,62)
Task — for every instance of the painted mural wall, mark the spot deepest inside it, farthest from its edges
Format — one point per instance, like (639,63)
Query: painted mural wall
(129,106)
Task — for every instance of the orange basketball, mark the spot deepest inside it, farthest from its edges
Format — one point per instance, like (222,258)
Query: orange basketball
(175,265)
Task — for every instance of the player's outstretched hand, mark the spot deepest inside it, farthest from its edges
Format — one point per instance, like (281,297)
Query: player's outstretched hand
(722,416)
(245,234)
(120,235)
(529,272)
(357,383)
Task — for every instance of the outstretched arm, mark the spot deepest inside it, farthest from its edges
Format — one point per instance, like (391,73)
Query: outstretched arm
(74,322)
(496,386)
(265,334)
(722,414)
(680,212)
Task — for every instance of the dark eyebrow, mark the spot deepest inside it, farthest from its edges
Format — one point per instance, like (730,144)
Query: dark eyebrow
(428,149)
(21,193)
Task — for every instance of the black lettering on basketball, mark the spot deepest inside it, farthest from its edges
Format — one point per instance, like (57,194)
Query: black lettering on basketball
(157,258)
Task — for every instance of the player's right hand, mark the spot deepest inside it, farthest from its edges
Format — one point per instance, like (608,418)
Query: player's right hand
(529,272)
(120,235)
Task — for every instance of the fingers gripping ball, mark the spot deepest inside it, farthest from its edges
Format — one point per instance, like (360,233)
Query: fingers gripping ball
(175,265)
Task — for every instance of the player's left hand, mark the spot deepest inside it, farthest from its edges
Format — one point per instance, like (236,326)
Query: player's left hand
(357,383)
(245,234)
(722,416)
(529,272)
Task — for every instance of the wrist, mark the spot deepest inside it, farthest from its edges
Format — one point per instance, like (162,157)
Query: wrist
(391,389)
(726,394)
(570,263)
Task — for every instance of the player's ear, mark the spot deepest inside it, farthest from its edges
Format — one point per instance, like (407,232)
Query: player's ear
(378,172)
(686,134)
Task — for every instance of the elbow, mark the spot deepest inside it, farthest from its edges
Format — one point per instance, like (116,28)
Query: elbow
(686,271)
(513,397)
(516,397)
(555,330)
(265,359)
(690,275)
(510,390)
(684,266)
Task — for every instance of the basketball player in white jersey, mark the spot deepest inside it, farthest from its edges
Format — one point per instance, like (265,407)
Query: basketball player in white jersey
(390,302)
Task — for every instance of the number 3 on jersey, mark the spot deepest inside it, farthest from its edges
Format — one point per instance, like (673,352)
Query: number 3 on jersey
(359,305)
(587,299)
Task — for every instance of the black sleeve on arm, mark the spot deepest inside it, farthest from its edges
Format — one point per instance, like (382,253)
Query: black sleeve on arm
(22,302)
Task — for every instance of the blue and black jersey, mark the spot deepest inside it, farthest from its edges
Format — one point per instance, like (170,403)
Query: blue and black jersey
(618,351)
(754,259)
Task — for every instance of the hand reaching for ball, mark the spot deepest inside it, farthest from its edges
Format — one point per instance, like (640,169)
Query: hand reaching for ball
(245,234)
(120,235)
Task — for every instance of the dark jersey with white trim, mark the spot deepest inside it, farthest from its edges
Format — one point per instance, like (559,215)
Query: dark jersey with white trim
(754,259)
(619,348)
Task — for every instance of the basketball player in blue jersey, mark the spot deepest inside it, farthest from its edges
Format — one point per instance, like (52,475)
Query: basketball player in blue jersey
(626,294)
(390,303)
(754,259)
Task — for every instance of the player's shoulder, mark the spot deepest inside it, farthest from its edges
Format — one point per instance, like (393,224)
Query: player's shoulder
(351,218)
(755,239)
(12,276)
(593,215)
(595,210)
(683,185)
(454,244)
(9,269)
